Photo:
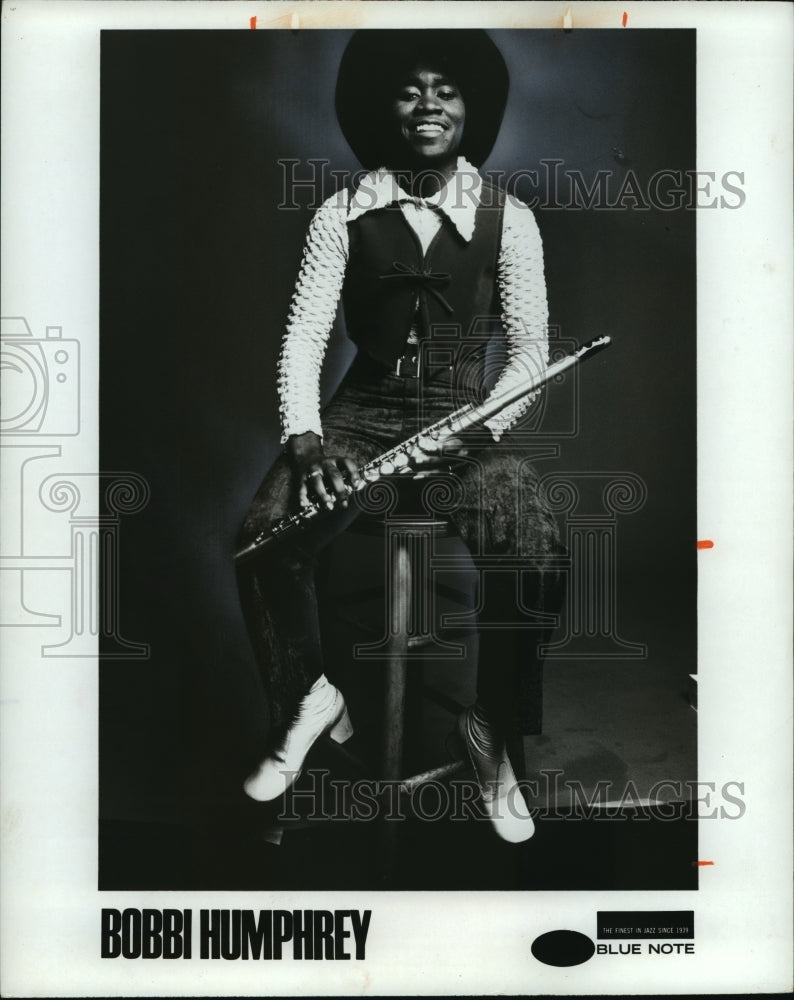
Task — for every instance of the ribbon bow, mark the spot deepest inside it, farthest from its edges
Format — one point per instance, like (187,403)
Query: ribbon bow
(428,279)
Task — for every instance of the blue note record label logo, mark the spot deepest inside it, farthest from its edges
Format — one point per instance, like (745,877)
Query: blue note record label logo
(620,932)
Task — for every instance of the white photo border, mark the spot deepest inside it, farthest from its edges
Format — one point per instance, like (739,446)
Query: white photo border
(423,943)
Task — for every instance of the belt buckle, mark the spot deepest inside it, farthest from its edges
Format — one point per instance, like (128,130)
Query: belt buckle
(414,362)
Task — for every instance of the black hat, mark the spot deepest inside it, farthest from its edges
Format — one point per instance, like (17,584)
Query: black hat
(375,59)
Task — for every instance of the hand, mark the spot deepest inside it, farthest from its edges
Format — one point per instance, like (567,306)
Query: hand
(430,453)
(320,477)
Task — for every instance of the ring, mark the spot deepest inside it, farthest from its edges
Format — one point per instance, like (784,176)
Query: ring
(316,473)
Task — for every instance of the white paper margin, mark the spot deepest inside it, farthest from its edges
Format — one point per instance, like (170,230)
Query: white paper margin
(434,943)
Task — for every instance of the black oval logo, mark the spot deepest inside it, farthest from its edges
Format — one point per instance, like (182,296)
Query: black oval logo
(562,948)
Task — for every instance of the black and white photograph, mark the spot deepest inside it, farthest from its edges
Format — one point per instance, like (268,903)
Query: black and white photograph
(391,586)
(408,514)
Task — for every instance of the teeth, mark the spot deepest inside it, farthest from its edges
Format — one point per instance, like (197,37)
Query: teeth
(429,128)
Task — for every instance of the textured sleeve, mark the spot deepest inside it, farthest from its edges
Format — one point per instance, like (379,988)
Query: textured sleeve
(311,317)
(525,313)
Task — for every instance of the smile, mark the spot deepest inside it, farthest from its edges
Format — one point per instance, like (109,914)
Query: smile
(429,128)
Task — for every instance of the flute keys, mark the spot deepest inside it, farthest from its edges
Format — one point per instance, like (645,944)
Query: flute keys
(387,468)
(371,475)
(400,460)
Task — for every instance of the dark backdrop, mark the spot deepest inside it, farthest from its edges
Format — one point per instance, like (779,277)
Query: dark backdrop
(197,268)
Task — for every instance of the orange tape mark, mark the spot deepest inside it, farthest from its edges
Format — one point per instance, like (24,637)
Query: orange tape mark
(625,18)
(705,543)
(705,863)
(252,22)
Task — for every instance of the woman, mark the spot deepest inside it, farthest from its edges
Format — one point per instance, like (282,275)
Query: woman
(422,241)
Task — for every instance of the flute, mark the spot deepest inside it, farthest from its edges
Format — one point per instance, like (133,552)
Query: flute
(390,461)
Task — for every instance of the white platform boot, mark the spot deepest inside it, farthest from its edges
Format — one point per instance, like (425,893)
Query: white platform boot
(501,797)
(322,710)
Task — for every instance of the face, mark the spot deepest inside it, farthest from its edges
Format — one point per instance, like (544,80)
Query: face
(430,115)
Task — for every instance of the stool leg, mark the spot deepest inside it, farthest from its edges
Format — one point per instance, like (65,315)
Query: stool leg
(400,597)
(420,625)
(396,666)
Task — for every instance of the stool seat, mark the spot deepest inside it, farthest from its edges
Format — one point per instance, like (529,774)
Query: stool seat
(376,524)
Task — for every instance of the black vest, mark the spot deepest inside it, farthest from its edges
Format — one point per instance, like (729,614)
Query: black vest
(455,282)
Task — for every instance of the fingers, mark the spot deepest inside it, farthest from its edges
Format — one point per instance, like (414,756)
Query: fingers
(327,484)
(303,492)
(352,473)
(313,488)
(334,482)
(319,485)
(429,452)
(425,452)
(329,481)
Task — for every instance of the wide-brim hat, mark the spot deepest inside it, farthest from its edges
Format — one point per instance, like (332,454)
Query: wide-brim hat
(373,63)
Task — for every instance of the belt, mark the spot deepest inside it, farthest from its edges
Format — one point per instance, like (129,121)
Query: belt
(410,365)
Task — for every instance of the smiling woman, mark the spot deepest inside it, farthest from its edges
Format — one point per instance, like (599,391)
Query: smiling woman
(422,241)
